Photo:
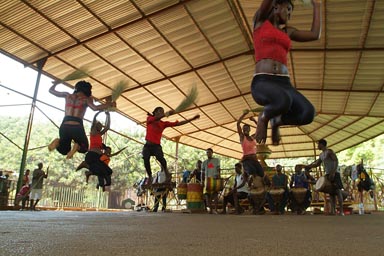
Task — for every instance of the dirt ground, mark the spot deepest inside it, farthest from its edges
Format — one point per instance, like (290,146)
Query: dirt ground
(143,233)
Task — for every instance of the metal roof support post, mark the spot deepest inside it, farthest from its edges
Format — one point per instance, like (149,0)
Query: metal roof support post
(177,139)
(40,65)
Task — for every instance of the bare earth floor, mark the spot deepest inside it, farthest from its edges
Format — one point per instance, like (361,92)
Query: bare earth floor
(142,233)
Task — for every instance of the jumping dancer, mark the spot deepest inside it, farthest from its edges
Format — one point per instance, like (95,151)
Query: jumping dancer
(72,126)
(93,157)
(271,86)
(152,147)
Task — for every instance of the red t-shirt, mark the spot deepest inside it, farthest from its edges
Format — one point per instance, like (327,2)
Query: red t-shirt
(271,43)
(96,141)
(155,129)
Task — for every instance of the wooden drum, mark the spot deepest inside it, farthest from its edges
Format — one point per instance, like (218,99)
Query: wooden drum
(258,194)
(277,195)
(299,194)
(324,185)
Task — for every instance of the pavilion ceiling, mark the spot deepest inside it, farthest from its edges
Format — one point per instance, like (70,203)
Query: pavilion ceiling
(163,47)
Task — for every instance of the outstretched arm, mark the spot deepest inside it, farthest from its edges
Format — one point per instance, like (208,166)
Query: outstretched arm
(104,106)
(314,164)
(188,120)
(315,32)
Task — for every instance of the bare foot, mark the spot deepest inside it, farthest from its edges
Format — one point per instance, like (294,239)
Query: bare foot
(54,144)
(261,130)
(74,149)
(275,132)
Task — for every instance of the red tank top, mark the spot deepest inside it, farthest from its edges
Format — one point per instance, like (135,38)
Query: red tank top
(96,141)
(271,43)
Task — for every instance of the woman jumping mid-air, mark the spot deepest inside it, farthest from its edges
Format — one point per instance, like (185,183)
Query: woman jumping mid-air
(271,86)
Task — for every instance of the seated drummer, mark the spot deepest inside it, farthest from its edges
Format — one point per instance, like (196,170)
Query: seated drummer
(239,190)
(210,169)
(365,182)
(160,193)
(279,180)
(299,180)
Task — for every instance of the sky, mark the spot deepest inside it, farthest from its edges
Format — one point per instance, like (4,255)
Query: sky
(15,76)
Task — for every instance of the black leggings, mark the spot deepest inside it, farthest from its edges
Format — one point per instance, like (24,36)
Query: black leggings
(98,168)
(153,150)
(278,97)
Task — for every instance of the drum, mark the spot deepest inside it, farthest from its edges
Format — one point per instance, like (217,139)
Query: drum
(214,184)
(277,195)
(324,185)
(299,194)
(195,196)
(257,194)
(182,191)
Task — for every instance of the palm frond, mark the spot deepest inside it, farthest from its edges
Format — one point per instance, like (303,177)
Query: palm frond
(188,101)
(77,74)
(118,89)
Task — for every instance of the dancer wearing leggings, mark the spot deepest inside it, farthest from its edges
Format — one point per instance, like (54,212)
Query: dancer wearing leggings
(271,86)
(152,147)
(72,126)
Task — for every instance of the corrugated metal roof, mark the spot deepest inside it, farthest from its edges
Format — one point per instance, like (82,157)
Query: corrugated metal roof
(164,47)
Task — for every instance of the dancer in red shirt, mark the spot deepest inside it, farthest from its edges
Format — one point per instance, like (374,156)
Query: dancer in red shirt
(271,86)
(152,147)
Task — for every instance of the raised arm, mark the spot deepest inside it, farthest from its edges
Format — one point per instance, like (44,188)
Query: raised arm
(315,32)
(238,123)
(107,123)
(263,12)
(53,90)
(253,120)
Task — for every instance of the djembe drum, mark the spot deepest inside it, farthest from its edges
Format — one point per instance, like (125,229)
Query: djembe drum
(277,195)
(299,194)
(257,196)
(324,185)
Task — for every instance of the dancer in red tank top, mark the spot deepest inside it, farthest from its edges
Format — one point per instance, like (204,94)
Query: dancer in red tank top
(271,86)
